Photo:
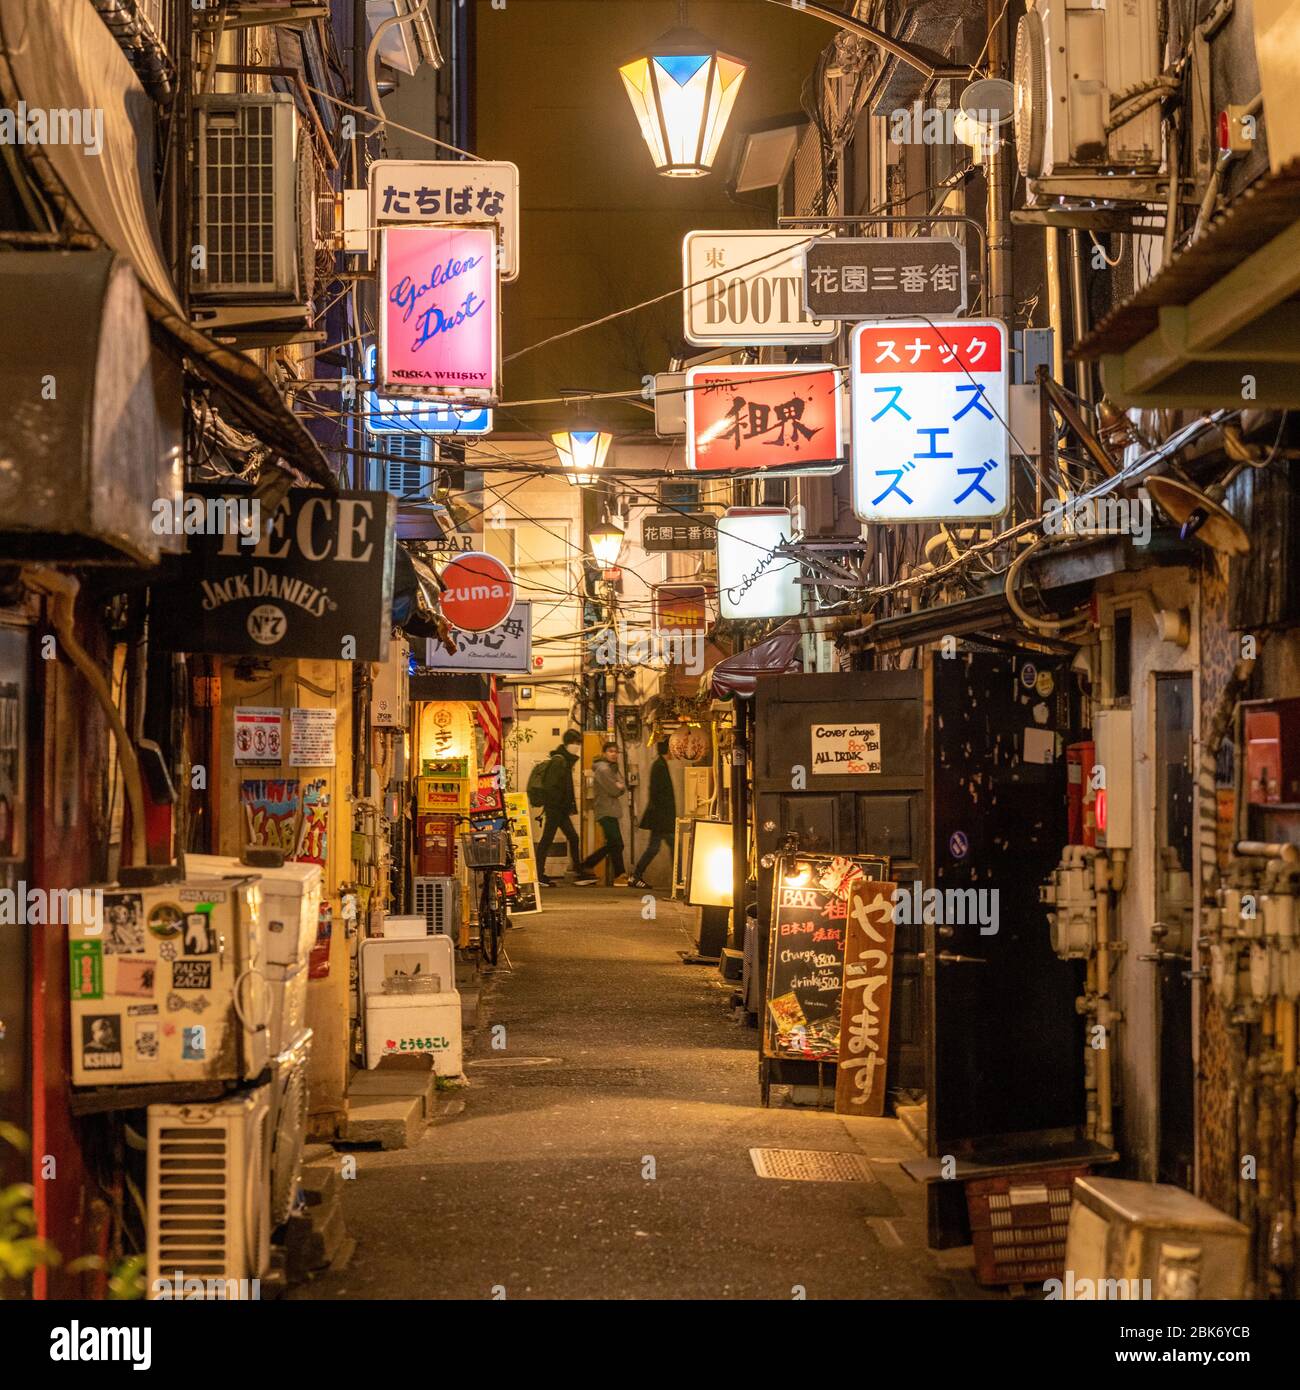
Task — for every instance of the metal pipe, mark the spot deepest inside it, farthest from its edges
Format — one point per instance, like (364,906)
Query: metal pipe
(997,211)
(1055,309)
(739,819)
(1079,312)
(1105,1080)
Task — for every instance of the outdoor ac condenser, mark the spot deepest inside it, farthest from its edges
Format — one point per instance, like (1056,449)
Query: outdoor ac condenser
(254,211)
(1077,66)
(208,1197)
(437,900)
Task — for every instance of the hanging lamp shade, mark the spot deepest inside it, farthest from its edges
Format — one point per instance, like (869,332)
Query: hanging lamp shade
(606,543)
(582,452)
(683,91)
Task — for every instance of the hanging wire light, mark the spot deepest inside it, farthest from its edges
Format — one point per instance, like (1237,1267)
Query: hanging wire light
(582,452)
(606,543)
(683,91)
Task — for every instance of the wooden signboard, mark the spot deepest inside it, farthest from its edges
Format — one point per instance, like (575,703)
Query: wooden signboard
(806,953)
(868,980)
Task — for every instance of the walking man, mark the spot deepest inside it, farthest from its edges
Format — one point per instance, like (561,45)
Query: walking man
(609,788)
(659,816)
(559,804)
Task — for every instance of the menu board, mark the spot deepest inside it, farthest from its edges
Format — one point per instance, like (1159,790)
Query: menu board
(806,953)
(868,982)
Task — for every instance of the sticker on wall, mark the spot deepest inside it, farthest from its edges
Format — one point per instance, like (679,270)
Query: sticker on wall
(165,921)
(318,962)
(1045,684)
(270,813)
(123,924)
(958,844)
(194,1045)
(142,1010)
(311,737)
(136,978)
(313,835)
(200,934)
(1028,675)
(101,1042)
(86,969)
(146,1042)
(192,974)
(258,736)
(845,749)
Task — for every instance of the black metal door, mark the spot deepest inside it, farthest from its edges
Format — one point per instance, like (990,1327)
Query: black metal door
(15,858)
(1006,1063)
(876,813)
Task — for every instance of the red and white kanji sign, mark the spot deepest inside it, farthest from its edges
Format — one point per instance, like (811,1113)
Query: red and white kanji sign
(930,436)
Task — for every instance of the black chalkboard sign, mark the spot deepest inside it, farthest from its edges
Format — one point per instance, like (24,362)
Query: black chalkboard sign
(805,959)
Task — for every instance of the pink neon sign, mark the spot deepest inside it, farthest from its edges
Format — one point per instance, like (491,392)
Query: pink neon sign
(438,312)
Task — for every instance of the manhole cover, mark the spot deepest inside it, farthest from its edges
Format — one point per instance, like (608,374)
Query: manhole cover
(810,1165)
(513,1061)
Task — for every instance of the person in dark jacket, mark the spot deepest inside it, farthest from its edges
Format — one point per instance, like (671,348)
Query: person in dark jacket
(659,816)
(609,788)
(559,804)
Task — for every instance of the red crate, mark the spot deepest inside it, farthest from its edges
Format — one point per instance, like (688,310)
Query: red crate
(1019,1221)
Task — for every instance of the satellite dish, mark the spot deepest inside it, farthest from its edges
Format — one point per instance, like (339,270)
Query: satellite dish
(1200,514)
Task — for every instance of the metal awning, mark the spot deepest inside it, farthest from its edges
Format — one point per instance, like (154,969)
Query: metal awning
(1226,308)
(59,56)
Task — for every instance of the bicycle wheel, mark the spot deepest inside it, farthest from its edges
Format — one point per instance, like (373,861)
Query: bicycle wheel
(489,920)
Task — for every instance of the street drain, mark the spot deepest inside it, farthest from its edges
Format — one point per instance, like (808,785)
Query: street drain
(513,1061)
(810,1165)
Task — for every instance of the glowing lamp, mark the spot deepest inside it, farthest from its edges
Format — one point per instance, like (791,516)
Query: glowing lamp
(582,452)
(606,543)
(708,874)
(683,91)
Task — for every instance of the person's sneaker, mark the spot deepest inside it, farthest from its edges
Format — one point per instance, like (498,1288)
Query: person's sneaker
(547,882)
(623,881)
(583,881)
(637,883)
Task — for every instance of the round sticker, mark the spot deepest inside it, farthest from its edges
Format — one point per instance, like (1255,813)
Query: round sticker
(1045,684)
(1028,675)
(958,844)
(479,592)
(165,921)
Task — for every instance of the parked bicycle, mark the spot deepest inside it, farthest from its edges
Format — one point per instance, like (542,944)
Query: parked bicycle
(489,853)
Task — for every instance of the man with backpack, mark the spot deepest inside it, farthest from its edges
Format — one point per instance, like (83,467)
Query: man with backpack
(550,790)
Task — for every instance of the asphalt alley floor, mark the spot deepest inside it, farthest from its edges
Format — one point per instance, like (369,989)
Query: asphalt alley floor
(619,1166)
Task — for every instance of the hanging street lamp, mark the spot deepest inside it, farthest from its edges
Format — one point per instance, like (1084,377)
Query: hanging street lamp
(683,91)
(606,544)
(582,452)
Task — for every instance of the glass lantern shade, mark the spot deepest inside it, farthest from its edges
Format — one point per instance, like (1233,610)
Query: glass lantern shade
(606,544)
(683,92)
(582,452)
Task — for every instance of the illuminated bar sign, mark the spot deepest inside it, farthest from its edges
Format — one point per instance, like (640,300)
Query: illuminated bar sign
(681,607)
(930,437)
(754,579)
(396,415)
(438,334)
(763,417)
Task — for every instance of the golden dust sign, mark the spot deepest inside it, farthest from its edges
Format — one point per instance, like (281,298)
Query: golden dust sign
(864,1007)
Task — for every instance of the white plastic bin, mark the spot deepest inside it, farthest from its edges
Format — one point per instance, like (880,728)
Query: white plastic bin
(400,1024)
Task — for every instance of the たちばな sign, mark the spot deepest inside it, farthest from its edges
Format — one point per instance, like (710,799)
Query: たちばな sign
(930,439)
(845,749)
(438,313)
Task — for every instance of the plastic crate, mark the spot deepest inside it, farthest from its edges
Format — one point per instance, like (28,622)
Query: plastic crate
(486,849)
(1019,1222)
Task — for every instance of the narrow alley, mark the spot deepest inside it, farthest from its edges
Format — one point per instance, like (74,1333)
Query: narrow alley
(603,1152)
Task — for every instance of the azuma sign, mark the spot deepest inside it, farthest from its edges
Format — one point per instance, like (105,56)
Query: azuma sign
(318,582)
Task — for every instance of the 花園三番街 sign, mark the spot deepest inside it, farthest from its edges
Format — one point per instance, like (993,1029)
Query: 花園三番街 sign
(763,417)
(447,191)
(845,749)
(438,313)
(864,277)
(930,438)
(747,287)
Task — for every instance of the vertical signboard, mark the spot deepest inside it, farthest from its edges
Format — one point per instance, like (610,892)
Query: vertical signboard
(763,417)
(864,1009)
(747,287)
(930,438)
(754,579)
(438,313)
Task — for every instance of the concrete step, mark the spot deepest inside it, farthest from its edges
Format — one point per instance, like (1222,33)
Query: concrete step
(392,1122)
(415,1084)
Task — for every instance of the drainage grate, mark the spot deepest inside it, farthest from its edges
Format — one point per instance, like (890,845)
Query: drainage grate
(810,1165)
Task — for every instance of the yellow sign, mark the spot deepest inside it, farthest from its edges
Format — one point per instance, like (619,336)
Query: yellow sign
(448,797)
(521,833)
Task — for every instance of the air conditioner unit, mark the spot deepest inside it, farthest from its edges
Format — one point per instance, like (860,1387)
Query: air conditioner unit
(406,473)
(254,213)
(437,900)
(1079,66)
(404,46)
(208,1208)
(288,1130)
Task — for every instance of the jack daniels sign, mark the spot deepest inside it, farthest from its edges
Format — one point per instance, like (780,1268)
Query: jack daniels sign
(317,582)
(868,277)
